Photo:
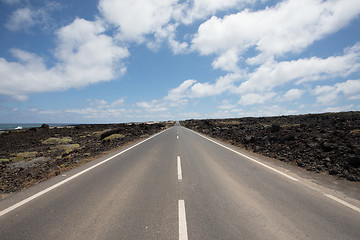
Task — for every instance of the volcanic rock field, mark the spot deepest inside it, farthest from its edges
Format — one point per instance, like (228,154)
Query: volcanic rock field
(30,156)
(324,143)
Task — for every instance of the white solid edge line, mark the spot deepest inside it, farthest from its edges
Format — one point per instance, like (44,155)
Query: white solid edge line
(183,235)
(243,155)
(343,202)
(9,209)
(279,172)
(179,168)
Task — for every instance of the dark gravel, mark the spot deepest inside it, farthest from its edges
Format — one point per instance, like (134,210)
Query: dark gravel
(326,143)
(33,155)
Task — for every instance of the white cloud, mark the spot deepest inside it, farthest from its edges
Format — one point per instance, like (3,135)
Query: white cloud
(273,74)
(327,95)
(28,17)
(221,85)
(292,94)
(99,113)
(194,89)
(350,88)
(167,33)
(153,106)
(256,98)
(176,46)
(257,111)
(227,61)
(118,102)
(226,105)
(50,112)
(22,18)
(104,104)
(96,109)
(288,27)
(257,86)
(101,109)
(11,1)
(89,55)
(192,10)
(85,56)
(350,107)
(137,18)
(180,92)
(176,98)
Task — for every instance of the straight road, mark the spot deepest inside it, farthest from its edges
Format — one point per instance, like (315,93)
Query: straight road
(179,185)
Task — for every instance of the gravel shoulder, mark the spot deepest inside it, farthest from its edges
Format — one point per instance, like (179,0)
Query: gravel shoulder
(30,156)
(326,143)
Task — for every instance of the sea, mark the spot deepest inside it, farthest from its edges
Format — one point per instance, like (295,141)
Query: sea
(12,126)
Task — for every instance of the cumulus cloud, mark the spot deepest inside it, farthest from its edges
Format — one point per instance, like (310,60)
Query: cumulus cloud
(11,1)
(255,98)
(176,98)
(102,109)
(27,17)
(98,113)
(264,110)
(327,95)
(192,10)
(292,94)
(181,91)
(226,105)
(350,107)
(137,18)
(85,55)
(227,61)
(88,53)
(194,89)
(118,102)
(22,18)
(143,20)
(257,87)
(272,73)
(288,27)
(221,85)
(153,106)
(104,104)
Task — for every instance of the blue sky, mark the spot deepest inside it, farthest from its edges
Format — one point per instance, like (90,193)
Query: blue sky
(105,61)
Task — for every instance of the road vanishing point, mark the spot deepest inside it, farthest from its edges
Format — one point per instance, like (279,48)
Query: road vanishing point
(179,184)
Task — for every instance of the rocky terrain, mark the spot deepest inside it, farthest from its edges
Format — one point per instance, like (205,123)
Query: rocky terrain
(33,155)
(323,143)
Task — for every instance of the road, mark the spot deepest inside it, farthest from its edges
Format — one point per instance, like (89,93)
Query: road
(179,185)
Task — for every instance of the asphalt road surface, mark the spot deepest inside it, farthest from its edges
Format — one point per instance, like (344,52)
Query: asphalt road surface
(180,185)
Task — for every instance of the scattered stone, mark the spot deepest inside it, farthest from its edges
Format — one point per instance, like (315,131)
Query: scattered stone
(355,162)
(333,171)
(275,128)
(45,126)
(300,163)
(30,156)
(327,143)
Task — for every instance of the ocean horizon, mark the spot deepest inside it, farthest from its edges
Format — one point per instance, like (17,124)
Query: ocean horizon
(13,126)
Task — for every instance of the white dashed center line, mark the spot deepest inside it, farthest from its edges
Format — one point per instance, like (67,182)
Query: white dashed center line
(182,221)
(179,168)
